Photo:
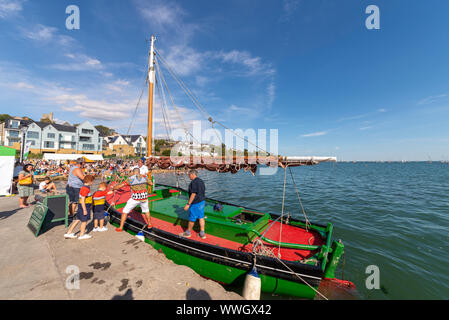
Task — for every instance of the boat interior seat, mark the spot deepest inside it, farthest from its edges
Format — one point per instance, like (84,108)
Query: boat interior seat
(227,210)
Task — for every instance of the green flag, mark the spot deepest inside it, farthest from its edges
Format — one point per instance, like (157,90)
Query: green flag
(26,151)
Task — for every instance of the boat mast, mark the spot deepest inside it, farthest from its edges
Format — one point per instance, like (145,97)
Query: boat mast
(151,80)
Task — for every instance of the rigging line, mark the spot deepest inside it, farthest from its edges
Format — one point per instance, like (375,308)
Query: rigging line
(202,109)
(181,83)
(161,75)
(138,102)
(164,109)
(299,198)
(282,212)
(190,95)
(164,115)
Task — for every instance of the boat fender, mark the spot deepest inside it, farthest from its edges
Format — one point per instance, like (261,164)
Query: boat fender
(140,236)
(252,286)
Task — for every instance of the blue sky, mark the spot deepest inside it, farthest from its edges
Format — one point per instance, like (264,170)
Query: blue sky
(307,68)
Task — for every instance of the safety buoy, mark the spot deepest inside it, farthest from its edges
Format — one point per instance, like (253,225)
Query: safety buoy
(252,286)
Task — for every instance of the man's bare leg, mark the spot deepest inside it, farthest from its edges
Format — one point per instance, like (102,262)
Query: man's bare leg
(83,228)
(202,224)
(72,226)
(123,219)
(147,218)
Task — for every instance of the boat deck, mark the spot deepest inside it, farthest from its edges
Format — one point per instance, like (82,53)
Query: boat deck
(174,206)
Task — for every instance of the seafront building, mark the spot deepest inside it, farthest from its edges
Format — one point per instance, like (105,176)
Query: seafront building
(125,145)
(49,137)
(46,136)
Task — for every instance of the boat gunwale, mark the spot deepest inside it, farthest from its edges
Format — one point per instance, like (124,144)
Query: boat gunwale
(266,265)
(276,215)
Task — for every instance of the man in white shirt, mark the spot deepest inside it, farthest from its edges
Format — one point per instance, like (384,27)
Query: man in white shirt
(142,168)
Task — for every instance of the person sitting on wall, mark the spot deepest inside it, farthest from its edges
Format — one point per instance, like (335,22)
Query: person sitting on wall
(47,186)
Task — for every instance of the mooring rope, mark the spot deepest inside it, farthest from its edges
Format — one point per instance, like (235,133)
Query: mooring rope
(299,199)
(258,245)
(282,212)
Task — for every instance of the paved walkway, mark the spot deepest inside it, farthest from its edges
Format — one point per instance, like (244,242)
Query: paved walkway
(112,265)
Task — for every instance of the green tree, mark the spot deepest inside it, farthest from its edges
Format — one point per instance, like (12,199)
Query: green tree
(4,117)
(105,131)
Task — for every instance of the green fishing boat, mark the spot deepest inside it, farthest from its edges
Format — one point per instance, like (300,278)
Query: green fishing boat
(291,256)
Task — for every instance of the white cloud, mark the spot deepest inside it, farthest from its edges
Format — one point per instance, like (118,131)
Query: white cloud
(9,8)
(41,33)
(315,134)
(167,18)
(85,102)
(366,128)
(271,94)
(82,63)
(432,99)
(46,34)
(360,116)
(92,108)
(184,60)
(118,85)
(162,14)
(288,9)
(253,65)
(23,85)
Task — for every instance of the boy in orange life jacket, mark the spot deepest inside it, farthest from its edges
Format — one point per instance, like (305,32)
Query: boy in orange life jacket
(99,199)
(83,213)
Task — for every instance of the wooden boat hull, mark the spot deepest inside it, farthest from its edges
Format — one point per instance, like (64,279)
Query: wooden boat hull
(225,265)
(228,265)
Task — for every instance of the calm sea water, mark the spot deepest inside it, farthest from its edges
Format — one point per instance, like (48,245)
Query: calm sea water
(392,215)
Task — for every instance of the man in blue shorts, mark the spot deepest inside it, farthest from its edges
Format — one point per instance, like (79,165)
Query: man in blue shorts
(196,204)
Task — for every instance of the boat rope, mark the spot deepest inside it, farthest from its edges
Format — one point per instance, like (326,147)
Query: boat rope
(138,101)
(163,107)
(258,246)
(200,107)
(282,212)
(299,199)
(161,75)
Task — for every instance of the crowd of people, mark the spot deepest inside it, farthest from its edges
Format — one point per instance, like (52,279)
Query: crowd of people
(80,178)
(83,200)
(41,174)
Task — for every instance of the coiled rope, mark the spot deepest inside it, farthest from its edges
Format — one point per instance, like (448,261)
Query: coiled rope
(259,248)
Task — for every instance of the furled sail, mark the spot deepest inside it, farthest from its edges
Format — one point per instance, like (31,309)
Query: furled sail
(232,164)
